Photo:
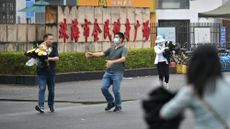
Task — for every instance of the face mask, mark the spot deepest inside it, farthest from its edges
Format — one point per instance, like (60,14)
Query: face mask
(116,41)
(161,44)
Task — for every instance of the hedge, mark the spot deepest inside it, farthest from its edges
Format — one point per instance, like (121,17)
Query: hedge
(14,62)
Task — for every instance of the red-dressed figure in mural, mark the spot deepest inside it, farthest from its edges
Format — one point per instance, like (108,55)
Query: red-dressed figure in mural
(63,31)
(137,25)
(146,30)
(96,30)
(75,32)
(116,26)
(106,30)
(86,29)
(127,29)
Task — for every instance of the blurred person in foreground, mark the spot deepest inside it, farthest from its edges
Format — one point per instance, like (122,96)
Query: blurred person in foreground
(207,93)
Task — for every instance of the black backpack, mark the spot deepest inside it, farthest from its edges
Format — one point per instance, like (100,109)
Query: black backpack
(167,54)
(152,106)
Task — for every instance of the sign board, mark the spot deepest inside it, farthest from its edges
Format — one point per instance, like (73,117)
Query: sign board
(202,35)
(169,33)
(223,37)
(119,3)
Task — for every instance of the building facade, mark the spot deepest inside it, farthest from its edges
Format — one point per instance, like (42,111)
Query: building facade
(186,9)
(7,11)
(181,18)
(30,17)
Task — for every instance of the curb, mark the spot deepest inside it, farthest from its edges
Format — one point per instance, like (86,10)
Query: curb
(63,101)
(31,80)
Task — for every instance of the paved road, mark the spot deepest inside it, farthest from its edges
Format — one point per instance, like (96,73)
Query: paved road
(17,104)
(132,88)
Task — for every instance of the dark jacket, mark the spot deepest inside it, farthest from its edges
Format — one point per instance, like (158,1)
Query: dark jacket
(152,106)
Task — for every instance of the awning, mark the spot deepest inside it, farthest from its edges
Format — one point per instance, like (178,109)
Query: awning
(220,12)
(37,7)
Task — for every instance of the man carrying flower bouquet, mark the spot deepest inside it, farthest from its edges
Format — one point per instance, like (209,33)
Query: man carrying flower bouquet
(46,72)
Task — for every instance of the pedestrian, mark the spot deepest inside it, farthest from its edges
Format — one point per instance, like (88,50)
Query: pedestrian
(115,63)
(207,93)
(161,61)
(46,73)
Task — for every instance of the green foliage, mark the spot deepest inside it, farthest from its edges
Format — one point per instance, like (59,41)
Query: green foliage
(140,58)
(14,62)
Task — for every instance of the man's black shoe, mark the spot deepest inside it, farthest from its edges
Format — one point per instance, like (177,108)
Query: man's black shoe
(117,109)
(109,106)
(39,109)
(51,109)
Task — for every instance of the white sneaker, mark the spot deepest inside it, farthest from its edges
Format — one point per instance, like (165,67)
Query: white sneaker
(166,85)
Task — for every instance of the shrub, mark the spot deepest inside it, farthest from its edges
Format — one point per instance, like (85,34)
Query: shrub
(14,62)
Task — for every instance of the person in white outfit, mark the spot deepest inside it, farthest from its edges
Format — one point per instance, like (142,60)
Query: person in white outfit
(161,61)
(207,89)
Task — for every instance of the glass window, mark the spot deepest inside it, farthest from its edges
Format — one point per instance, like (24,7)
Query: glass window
(7,11)
(71,2)
(173,4)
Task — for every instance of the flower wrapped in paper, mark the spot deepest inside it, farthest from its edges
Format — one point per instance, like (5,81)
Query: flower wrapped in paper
(38,55)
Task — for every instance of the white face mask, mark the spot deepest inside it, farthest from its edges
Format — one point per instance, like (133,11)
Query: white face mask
(161,44)
(116,41)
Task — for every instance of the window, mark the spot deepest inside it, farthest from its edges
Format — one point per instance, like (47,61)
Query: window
(8,11)
(173,4)
(71,2)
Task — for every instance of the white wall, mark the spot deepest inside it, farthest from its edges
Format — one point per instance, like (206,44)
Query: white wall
(196,6)
(224,1)
(20,4)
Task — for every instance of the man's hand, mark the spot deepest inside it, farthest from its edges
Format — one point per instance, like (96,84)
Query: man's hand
(88,54)
(109,63)
(166,47)
(53,59)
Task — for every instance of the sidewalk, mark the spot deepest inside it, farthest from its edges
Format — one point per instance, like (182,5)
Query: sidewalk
(89,91)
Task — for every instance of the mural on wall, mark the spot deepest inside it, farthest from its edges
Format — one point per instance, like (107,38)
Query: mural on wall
(94,29)
(63,31)
(106,30)
(146,30)
(75,32)
(86,29)
(51,14)
(116,26)
(137,25)
(127,30)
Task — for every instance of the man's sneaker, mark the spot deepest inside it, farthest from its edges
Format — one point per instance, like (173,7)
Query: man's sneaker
(166,85)
(109,106)
(51,109)
(39,109)
(159,83)
(117,109)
